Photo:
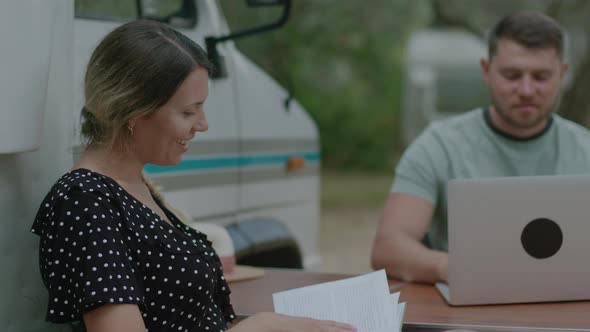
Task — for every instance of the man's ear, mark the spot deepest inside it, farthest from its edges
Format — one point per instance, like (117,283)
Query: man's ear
(485,69)
(563,70)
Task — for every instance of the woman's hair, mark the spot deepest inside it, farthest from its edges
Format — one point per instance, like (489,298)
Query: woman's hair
(134,70)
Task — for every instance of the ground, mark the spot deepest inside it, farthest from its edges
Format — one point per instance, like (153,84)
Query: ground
(351,208)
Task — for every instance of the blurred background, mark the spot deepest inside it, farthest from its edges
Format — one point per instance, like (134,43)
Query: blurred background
(365,72)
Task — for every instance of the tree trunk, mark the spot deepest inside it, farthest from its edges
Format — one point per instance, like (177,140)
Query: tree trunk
(575,104)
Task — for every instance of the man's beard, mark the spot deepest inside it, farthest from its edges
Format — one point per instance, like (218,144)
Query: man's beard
(515,121)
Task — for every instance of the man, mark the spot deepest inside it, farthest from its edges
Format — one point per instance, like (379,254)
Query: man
(517,135)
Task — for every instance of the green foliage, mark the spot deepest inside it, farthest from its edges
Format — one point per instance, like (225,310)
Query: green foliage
(343,61)
(115,9)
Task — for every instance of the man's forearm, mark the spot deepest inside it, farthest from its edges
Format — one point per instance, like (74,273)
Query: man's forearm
(409,260)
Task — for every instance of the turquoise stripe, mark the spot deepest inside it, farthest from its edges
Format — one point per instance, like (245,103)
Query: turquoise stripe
(228,162)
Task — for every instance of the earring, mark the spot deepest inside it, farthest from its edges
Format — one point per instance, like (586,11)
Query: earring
(130,127)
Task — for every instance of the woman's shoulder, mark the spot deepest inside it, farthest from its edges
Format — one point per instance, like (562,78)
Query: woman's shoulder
(84,184)
(85,181)
(79,187)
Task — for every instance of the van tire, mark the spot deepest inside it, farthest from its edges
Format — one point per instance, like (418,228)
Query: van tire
(265,242)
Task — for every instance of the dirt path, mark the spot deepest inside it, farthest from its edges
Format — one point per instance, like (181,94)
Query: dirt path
(345,239)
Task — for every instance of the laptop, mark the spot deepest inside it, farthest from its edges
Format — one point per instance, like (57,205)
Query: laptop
(518,240)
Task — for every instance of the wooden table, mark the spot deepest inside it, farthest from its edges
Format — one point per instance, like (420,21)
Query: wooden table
(426,310)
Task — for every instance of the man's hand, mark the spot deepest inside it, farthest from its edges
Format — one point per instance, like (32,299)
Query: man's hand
(443,268)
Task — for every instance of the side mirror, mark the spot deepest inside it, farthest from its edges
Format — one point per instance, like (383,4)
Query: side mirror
(178,13)
(211,42)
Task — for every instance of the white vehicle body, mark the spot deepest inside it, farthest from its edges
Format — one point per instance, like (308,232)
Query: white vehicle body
(235,172)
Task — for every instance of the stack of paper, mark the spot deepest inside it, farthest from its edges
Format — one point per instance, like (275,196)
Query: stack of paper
(362,301)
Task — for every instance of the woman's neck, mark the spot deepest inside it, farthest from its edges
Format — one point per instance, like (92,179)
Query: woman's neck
(124,167)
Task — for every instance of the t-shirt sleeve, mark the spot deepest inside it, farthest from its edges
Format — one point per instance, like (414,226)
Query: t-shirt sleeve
(84,259)
(418,171)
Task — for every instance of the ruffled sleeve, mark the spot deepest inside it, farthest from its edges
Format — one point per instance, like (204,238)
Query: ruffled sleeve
(83,257)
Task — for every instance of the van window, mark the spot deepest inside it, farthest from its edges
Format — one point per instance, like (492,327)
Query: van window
(176,13)
(107,10)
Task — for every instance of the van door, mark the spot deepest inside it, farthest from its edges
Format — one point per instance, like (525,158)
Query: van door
(281,160)
(205,183)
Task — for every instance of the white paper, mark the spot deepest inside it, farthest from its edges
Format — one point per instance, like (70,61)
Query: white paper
(401,310)
(362,301)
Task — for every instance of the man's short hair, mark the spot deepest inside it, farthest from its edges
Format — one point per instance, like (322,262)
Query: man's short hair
(530,29)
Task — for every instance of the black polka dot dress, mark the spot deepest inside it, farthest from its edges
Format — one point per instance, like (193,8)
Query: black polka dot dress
(98,245)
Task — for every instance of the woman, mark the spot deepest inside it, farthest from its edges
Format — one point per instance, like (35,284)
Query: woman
(111,254)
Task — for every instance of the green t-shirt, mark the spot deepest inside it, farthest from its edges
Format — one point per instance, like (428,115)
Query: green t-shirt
(466,146)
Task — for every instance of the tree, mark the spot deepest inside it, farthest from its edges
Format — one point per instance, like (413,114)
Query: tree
(343,61)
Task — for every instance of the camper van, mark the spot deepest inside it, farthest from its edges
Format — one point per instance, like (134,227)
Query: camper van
(255,172)
(443,78)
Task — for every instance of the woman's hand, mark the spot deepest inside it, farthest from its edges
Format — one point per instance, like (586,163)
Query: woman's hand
(271,322)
